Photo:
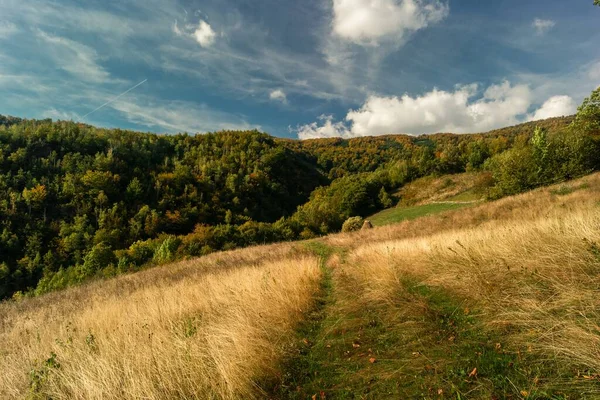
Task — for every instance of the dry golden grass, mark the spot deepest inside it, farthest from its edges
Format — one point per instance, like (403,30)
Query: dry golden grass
(529,265)
(539,203)
(184,331)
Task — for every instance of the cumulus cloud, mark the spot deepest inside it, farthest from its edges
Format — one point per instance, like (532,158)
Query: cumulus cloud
(366,22)
(458,111)
(203,33)
(543,25)
(327,129)
(556,106)
(278,95)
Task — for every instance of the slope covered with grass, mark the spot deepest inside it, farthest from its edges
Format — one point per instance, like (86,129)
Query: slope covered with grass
(496,301)
(204,329)
(433,195)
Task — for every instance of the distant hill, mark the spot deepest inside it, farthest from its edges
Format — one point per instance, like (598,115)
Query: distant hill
(78,201)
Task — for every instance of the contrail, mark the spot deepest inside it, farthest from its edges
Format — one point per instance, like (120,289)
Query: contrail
(116,98)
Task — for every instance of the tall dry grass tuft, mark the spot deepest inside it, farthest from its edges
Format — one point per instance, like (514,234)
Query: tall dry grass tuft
(210,335)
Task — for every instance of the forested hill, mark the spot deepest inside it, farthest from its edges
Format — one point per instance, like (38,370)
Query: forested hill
(339,157)
(78,201)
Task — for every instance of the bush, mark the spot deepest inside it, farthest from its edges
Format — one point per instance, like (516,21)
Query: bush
(141,252)
(353,224)
(165,252)
(514,171)
(101,256)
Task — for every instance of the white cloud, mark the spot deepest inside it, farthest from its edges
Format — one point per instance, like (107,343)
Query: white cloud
(556,106)
(76,58)
(204,34)
(366,22)
(328,129)
(278,95)
(440,111)
(7,29)
(177,30)
(543,25)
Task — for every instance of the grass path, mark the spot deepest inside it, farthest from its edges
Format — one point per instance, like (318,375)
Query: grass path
(425,343)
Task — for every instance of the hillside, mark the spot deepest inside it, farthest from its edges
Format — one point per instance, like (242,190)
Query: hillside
(434,194)
(78,202)
(496,301)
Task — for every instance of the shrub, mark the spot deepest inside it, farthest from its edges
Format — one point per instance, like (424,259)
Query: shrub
(165,252)
(352,224)
(101,256)
(514,171)
(141,252)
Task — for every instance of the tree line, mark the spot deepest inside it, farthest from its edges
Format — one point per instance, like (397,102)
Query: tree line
(78,202)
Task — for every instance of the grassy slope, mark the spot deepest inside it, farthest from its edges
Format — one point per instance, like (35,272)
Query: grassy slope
(399,214)
(475,313)
(496,301)
(430,196)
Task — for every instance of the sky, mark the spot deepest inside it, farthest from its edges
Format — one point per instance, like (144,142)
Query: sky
(299,69)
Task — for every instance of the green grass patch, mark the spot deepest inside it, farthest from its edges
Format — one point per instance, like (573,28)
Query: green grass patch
(300,362)
(320,249)
(399,214)
(567,189)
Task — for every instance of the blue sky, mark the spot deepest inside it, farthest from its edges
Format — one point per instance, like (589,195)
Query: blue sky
(310,68)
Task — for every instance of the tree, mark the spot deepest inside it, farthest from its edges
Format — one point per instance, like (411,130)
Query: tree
(35,197)
(539,142)
(384,198)
(100,257)
(588,114)
(514,171)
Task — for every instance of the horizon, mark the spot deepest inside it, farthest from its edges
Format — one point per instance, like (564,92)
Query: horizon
(323,68)
(385,135)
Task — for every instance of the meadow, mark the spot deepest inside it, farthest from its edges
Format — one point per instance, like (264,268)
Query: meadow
(498,300)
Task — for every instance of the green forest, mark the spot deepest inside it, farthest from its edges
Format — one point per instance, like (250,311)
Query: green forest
(78,202)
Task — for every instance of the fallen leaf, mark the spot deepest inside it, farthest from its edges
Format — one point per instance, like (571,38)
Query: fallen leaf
(372,360)
(524,393)
(314,397)
(355,345)
(473,373)
(440,392)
